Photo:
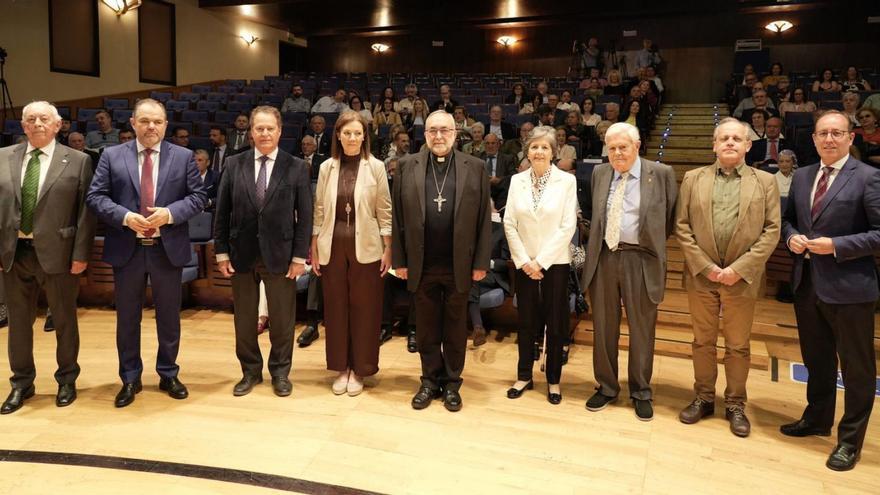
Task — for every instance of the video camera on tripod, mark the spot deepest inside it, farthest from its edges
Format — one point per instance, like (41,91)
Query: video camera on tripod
(5,98)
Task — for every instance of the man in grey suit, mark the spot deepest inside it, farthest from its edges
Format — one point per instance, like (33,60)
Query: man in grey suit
(45,239)
(633,212)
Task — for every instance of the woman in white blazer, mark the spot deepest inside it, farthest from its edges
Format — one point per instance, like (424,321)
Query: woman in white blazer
(351,251)
(540,220)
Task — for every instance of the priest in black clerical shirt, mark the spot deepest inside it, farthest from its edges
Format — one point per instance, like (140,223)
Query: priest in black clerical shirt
(440,246)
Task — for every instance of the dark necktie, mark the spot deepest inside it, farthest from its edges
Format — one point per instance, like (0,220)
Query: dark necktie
(261,182)
(318,140)
(774,150)
(147,189)
(215,160)
(29,189)
(821,189)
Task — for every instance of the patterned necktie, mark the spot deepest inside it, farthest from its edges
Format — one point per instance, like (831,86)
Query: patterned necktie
(29,189)
(615,214)
(147,189)
(774,151)
(261,182)
(821,189)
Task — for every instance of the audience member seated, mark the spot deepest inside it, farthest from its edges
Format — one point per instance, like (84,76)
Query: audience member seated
(180,136)
(785,174)
(296,102)
(530,107)
(826,82)
(497,278)
(744,90)
(650,96)
(870,134)
(392,149)
(316,129)
(125,135)
(105,135)
(387,93)
(651,75)
(237,135)
(798,103)
(546,115)
(758,125)
(499,166)
(765,152)
(219,152)
(514,147)
(418,116)
(578,134)
(854,81)
(357,104)
(588,117)
(463,123)
(309,153)
(851,102)
(637,115)
(564,151)
(541,90)
(445,102)
(209,178)
(386,115)
(648,56)
(873,101)
(475,145)
(612,112)
(61,137)
(595,90)
(78,142)
(405,105)
(776,73)
(331,104)
(758,101)
(615,84)
(517,95)
(601,128)
(504,130)
(781,92)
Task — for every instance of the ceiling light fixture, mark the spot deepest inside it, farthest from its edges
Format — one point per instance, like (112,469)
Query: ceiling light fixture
(779,26)
(249,38)
(506,40)
(122,6)
(380,47)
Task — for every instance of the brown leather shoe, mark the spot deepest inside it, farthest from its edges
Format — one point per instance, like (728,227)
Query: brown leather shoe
(739,423)
(479,336)
(696,410)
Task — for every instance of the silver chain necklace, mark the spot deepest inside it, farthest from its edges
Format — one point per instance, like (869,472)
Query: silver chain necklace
(440,199)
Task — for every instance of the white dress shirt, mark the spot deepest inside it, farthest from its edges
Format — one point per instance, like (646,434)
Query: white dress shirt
(155,157)
(45,160)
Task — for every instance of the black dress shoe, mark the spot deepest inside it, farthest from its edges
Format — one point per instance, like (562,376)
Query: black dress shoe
(801,428)
(385,334)
(536,353)
(66,394)
(411,345)
(281,386)
(516,393)
(175,389)
(16,399)
(246,384)
(554,398)
(644,409)
(4,317)
(424,396)
(843,458)
(49,325)
(599,401)
(127,392)
(452,400)
(309,335)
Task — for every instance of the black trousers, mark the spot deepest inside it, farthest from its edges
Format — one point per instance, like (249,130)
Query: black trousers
(441,329)
(546,301)
(23,281)
(828,331)
(281,298)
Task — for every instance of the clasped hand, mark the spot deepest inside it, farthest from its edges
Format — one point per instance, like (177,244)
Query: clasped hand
(820,245)
(533,270)
(725,276)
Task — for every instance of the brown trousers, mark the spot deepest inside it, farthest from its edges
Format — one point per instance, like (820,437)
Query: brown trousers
(738,312)
(352,309)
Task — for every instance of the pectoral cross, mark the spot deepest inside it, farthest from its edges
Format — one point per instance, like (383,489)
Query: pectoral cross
(439,200)
(347,213)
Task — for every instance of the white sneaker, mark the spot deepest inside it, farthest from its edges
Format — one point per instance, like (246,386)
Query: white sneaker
(355,385)
(340,384)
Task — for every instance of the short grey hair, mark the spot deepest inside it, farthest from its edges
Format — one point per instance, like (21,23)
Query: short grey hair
(201,152)
(791,155)
(612,104)
(32,106)
(545,132)
(412,85)
(479,125)
(624,128)
(730,120)
(308,137)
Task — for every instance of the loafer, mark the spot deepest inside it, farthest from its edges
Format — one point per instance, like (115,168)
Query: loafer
(479,336)
(516,393)
(175,389)
(385,334)
(696,410)
(411,345)
(281,386)
(739,423)
(554,398)
(599,401)
(801,428)
(16,399)
(127,392)
(424,396)
(340,384)
(452,401)
(246,384)
(644,409)
(843,458)
(309,335)
(355,385)
(66,394)
(49,324)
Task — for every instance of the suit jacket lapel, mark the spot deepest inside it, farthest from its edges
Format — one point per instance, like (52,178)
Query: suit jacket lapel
(282,162)
(646,193)
(461,173)
(747,186)
(15,161)
(333,190)
(842,178)
(706,188)
(604,183)
(250,180)
(165,154)
(131,163)
(420,168)
(59,163)
(804,199)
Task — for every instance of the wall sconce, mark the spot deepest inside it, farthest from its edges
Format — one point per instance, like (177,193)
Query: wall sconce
(380,47)
(249,38)
(779,26)
(122,6)
(506,40)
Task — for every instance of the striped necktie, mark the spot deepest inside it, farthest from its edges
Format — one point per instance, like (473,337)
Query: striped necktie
(29,189)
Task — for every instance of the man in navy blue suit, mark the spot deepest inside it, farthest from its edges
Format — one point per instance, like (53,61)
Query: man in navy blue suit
(145,191)
(832,224)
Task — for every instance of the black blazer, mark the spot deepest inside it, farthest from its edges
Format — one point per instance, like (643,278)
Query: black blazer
(280,231)
(324,144)
(317,160)
(210,184)
(505,167)
(759,151)
(508,130)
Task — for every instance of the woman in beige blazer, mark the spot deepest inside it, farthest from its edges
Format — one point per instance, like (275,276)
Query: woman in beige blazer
(351,251)
(540,220)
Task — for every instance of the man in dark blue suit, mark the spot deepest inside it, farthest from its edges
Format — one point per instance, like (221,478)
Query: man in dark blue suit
(210,179)
(145,191)
(832,224)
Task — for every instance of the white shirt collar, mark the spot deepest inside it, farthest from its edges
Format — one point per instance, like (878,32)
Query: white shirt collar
(141,148)
(47,150)
(836,165)
(272,155)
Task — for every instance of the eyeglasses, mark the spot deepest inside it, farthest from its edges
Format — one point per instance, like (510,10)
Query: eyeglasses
(836,134)
(436,132)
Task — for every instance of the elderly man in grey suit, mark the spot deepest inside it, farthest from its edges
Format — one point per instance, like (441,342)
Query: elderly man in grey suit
(633,213)
(45,239)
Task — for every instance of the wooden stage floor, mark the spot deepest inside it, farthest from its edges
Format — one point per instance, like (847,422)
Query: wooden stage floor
(322,443)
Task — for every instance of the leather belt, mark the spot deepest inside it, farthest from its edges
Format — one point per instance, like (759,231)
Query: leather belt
(147,241)
(625,246)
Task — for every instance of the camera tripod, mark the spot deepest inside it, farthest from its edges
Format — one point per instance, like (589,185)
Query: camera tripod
(5,98)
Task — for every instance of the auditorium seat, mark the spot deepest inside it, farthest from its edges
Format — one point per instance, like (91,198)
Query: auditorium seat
(162,96)
(176,106)
(208,106)
(194,116)
(200,142)
(218,96)
(121,115)
(295,118)
(12,126)
(289,145)
(239,106)
(86,114)
(225,116)
(190,97)
(201,88)
(113,103)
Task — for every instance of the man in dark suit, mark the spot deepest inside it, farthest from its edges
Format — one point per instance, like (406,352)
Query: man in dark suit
(633,211)
(145,191)
(445,103)
(504,130)
(832,225)
(499,166)
(237,136)
(45,242)
(221,150)
(322,139)
(765,152)
(312,158)
(208,177)
(441,231)
(262,232)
